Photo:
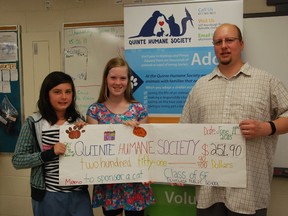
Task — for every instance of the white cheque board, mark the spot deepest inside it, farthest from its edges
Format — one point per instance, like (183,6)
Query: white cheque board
(198,154)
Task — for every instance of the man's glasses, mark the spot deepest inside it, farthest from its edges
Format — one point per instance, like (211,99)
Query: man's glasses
(228,41)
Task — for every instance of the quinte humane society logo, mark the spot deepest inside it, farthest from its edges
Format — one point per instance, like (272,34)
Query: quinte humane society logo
(159,29)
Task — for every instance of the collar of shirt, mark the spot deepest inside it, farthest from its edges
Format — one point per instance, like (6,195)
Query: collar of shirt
(244,70)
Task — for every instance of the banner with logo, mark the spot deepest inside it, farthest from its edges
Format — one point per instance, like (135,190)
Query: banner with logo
(169,47)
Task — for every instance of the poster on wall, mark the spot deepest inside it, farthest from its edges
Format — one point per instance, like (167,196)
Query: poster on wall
(169,47)
(8,46)
(10,87)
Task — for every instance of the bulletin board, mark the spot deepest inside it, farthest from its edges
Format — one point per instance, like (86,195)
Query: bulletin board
(10,87)
(87,47)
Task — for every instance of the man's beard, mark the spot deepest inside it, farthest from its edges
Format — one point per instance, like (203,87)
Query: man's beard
(226,62)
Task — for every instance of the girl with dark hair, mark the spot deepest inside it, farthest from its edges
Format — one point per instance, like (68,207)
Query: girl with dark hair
(116,105)
(38,148)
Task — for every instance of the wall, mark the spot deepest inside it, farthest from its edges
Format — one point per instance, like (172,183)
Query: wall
(260,56)
(33,17)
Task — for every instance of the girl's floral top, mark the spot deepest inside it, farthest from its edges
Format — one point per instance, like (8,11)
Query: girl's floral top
(130,196)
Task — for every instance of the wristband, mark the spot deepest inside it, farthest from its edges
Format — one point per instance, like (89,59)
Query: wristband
(273,127)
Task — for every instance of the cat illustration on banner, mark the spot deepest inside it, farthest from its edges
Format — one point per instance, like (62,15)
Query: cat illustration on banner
(158,25)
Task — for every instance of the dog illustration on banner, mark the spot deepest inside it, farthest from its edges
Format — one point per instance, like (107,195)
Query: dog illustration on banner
(158,25)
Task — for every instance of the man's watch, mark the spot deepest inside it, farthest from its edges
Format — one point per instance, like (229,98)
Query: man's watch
(273,127)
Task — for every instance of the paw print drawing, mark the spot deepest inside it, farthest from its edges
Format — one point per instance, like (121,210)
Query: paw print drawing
(139,131)
(133,81)
(74,133)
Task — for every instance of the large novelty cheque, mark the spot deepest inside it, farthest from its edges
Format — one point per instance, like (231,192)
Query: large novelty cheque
(198,154)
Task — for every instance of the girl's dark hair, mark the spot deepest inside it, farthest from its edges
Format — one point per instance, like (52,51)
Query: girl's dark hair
(104,91)
(45,108)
